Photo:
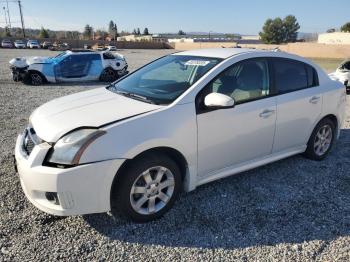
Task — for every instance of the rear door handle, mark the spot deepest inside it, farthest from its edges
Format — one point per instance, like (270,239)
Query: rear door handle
(314,99)
(266,113)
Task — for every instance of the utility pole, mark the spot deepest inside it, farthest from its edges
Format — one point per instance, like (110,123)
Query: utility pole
(8,13)
(22,22)
(5,16)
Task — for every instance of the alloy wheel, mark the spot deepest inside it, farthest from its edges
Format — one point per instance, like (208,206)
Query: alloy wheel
(323,140)
(152,190)
(36,79)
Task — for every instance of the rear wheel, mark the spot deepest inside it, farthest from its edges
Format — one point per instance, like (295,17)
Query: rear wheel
(146,189)
(321,140)
(34,79)
(108,75)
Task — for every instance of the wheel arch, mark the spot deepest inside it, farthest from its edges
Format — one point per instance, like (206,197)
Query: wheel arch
(38,72)
(172,153)
(104,69)
(332,117)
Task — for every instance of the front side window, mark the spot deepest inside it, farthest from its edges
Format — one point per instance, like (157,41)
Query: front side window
(165,79)
(245,81)
(291,75)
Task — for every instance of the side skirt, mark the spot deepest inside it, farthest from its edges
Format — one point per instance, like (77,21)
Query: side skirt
(232,170)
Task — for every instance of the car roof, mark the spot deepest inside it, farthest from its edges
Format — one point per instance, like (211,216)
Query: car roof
(217,52)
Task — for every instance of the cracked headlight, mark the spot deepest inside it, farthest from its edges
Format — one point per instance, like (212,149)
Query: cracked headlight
(68,149)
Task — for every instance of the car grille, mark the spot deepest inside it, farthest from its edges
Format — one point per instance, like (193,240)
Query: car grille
(28,141)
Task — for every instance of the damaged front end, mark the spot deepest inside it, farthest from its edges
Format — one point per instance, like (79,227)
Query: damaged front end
(19,69)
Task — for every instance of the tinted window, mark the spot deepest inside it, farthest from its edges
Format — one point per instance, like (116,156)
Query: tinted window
(108,56)
(312,76)
(244,81)
(290,75)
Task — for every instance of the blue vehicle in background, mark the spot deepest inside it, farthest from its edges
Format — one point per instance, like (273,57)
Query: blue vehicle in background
(69,66)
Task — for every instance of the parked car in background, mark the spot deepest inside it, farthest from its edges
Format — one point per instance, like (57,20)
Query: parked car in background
(33,44)
(111,48)
(342,74)
(58,46)
(20,44)
(46,44)
(6,43)
(179,122)
(69,66)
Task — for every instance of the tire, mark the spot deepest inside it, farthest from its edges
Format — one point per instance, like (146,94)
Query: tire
(323,134)
(108,75)
(34,79)
(138,195)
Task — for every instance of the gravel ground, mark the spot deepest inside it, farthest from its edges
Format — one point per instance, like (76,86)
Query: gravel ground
(292,210)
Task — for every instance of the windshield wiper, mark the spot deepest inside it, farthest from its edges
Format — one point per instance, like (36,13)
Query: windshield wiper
(135,96)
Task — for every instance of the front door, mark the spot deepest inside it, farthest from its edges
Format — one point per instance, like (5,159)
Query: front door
(73,67)
(228,137)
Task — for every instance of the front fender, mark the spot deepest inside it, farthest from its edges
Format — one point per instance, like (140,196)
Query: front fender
(173,127)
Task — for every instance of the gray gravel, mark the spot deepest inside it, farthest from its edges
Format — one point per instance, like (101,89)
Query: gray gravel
(292,210)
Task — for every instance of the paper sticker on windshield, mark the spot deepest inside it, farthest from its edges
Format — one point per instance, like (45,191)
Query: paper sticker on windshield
(197,63)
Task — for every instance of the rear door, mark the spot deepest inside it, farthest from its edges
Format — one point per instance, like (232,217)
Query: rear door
(299,103)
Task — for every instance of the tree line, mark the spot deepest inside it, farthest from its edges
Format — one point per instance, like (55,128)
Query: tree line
(279,31)
(274,31)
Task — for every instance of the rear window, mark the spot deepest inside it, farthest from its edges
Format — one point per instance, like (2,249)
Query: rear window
(291,75)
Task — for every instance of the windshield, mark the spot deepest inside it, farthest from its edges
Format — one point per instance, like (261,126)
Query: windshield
(165,79)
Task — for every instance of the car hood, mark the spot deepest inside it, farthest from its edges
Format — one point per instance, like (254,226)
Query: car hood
(38,60)
(26,61)
(92,108)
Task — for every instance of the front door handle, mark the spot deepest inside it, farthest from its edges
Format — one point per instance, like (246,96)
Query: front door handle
(314,99)
(266,113)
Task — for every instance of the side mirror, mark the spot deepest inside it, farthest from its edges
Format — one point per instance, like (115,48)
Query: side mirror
(217,100)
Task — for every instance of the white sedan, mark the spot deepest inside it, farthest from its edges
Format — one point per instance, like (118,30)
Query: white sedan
(179,122)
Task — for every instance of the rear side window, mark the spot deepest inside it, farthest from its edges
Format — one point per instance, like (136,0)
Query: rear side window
(291,75)
(108,56)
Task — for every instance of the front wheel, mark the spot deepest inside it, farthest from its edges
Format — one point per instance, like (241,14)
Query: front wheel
(146,189)
(34,79)
(321,140)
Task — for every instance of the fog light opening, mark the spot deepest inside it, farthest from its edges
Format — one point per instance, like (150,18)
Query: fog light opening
(52,197)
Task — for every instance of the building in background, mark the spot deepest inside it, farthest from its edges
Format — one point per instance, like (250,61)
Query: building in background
(339,38)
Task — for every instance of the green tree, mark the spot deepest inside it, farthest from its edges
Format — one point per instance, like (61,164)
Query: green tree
(138,32)
(110,27)
(43,33)
(291,28)
(145,31)
(88,32)
(345,27)
(273,31)
(113,30)
(277,31)
(134,32)
(181,32)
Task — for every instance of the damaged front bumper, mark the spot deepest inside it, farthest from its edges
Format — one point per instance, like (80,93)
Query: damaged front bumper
(19,73)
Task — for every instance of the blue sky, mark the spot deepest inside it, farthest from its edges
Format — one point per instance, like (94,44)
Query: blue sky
(245,16)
